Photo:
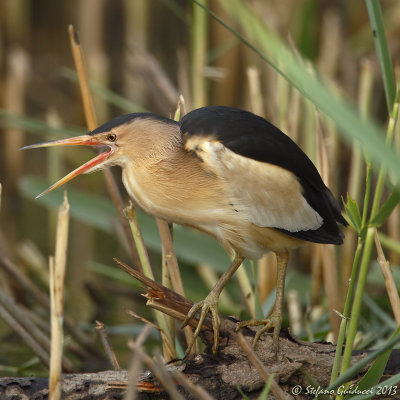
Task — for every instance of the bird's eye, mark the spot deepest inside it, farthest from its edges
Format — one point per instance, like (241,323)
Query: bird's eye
(112,137)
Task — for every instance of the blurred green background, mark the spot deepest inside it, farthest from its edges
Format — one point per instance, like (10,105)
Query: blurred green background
(141,55)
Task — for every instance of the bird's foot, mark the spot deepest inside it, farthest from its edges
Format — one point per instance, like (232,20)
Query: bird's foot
(273,322)
(209,304)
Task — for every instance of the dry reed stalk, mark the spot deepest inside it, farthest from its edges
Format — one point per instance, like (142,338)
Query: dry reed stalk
(167,339)
(330,50)
(91,30)
(136,364)
(294,311)
(328,256)
(257,363)
(266,266)
(53,169)
(57,283)
(390,284)
(357,170)
(18,71)
(171,263)
(34,260)
(316,275)
(92,124)
(294,115)
(183,76)
(112,358)
(283,91)
(267,275)
(137,16)
(224,67)
(255,95)
(198,41)
(246,289)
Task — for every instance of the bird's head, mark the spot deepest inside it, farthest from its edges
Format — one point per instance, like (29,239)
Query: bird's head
(132,138)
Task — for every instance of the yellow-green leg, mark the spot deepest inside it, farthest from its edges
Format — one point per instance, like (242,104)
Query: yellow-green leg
(210,304)
(275,320)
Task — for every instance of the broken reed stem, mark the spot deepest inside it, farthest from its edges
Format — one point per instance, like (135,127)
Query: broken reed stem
(79,60)
(56,338)
(57,281)
(276,390)
(391,288)
(173,269)
(112,358)
(91,123)
(167,340)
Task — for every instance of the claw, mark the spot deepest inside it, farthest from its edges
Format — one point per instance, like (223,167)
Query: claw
(209,304)
(275,322)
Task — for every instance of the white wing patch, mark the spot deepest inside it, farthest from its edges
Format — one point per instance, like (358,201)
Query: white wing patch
(266,194)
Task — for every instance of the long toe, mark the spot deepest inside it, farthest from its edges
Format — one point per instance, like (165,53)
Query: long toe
(274,322)
(207,305)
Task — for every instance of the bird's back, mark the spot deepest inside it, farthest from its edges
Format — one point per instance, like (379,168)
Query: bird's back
(263,149)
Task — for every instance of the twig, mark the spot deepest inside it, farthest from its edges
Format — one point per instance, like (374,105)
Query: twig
(107,345)
(389,281)
(276,390)
(92,124)
(144,320)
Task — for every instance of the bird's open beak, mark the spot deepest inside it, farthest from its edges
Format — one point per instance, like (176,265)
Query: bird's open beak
(86,140)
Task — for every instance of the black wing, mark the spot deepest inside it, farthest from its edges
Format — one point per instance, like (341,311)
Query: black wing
(253,137)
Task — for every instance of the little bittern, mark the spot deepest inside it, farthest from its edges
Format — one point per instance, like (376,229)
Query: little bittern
(226,172)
